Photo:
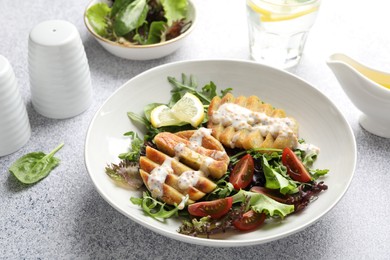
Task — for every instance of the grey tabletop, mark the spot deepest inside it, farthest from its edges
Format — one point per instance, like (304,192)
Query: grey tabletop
(64,217)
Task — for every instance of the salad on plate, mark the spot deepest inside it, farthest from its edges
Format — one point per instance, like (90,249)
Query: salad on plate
(217,161)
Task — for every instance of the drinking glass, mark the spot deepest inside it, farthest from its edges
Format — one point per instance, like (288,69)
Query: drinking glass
(278,29)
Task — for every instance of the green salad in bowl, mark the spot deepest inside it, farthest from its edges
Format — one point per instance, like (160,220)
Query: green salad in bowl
(127,28)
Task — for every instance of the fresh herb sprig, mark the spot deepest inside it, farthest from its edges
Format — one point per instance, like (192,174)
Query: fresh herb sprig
(189,84)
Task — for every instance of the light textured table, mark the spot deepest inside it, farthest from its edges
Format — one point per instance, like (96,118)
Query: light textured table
(64,217)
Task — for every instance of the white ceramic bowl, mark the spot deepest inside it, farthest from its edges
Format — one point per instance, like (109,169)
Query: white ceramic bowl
(321,123)
(143,52)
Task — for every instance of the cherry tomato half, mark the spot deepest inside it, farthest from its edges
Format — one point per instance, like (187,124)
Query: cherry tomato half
(295,168)
(214,208)
(242,173)
(249,221)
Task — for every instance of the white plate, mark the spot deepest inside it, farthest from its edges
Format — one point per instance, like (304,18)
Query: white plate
(321,123)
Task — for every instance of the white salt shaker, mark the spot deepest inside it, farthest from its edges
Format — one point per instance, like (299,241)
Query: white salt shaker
(59,73)
(15,130)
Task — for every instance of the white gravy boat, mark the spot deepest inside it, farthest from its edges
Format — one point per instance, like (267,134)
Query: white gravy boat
(368,89)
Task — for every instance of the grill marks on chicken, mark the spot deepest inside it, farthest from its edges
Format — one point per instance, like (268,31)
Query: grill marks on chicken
(247,122)
(185,163)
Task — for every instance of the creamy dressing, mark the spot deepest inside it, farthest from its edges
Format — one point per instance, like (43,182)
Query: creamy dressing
(308,148)
(239,117)
(158,175)
(157,178)
(204,165)
(183,202)
(197,137)
(188,178)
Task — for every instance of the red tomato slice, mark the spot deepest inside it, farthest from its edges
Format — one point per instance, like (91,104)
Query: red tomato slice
(214,208)
(242,173)
(249,221)
(295,168)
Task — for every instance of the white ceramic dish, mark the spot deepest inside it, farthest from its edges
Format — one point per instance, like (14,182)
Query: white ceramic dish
(321,123)
(143,52)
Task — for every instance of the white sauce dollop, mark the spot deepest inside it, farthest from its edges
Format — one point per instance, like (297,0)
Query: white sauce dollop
(239,117)
(188,178)
(157,178)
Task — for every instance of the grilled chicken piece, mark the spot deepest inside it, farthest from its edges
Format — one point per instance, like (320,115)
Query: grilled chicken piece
(196,157)
(247,122)
(184,165)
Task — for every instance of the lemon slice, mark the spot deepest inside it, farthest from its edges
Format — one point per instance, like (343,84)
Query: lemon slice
(269,16)
(189,109)
(163,116)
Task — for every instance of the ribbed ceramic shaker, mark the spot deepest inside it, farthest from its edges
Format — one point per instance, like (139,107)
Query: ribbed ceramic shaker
(15,128)
(59,73)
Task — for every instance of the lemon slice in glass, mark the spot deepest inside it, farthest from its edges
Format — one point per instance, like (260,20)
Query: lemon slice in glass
(280,15)
(163,116)
(189,109)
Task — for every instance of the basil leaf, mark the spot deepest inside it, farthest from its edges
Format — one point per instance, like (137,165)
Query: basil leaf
(34,166)
(97,17)
(130,17)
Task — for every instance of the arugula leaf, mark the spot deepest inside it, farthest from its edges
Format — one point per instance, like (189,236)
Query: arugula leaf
(224,189)
(130,17)
(175,10)
(261,203)
(97,17)
(155,208)
(136,145)
(34,166)
(188,84)
(315,174)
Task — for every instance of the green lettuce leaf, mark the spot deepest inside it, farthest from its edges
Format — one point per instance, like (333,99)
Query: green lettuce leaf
(275,180)
(175,10)
(97,17)
(130,17)
(261,203)
(155,32)
(118,5)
